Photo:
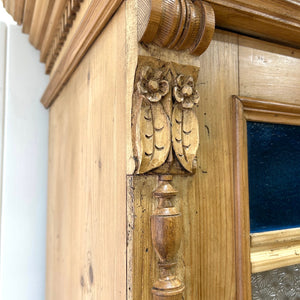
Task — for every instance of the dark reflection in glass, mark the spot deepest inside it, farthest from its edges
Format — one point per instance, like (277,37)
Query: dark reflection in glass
(274,176)
(278,284)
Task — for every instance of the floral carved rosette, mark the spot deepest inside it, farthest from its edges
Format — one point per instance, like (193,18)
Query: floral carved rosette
(164,117)
(151,84)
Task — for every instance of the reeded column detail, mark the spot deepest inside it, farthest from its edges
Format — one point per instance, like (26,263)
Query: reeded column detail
(166,231)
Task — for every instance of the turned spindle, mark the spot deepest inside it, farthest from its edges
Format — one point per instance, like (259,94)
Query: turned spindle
(166,230)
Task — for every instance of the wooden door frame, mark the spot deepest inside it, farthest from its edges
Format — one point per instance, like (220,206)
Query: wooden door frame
(258,110)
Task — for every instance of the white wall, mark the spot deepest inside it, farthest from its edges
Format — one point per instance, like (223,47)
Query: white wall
(2,97)
(25,158)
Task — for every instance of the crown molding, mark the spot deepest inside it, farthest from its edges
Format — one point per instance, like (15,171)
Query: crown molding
(276,21)
(96,17)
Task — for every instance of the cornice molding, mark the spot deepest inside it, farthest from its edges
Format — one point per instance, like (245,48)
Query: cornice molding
(275,21)
(63,28)
(96,17)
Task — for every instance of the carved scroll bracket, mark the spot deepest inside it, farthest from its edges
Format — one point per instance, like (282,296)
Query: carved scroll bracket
(176,24)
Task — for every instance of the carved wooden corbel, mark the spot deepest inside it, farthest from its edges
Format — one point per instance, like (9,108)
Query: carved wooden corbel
(165,141)
(164,125)
(176,24)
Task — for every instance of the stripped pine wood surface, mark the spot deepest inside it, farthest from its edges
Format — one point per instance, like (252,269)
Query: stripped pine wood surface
(86,240)
(40,19)
(97,249)
(51,29)
(27,15)
(275,249)
(206,259)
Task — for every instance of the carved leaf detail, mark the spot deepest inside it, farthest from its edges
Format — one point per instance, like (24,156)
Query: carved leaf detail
(155,135)
(185,136)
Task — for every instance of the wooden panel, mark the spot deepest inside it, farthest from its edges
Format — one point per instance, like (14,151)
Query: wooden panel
(28,14)
(269,71)
(142,262)
(277,20)
(207,253)
(86,251)
(94,20)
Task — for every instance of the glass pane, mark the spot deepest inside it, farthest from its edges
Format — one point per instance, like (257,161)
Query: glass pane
(274,176)
(278,284)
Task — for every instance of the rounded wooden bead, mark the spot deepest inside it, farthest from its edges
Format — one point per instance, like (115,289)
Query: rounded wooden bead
(181,25)
(148,34)
(192,27)
(170,20)
(207,28)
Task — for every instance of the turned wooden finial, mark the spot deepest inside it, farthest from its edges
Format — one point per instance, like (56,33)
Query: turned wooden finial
(176,24)
(166,229)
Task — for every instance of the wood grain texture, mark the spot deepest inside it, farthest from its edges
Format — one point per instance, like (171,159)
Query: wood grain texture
(166,232)
(40,20)
(86,244)
(28,14)
(95,18)
(19,11)
(69,37)
(206,259)
(9,6)
(177,24)
(54,20)
(241,200)
(270,111)
(274,258)
(165,133)
(62,31)
(277,21)
(269,250)
(275,238)
(269,71)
